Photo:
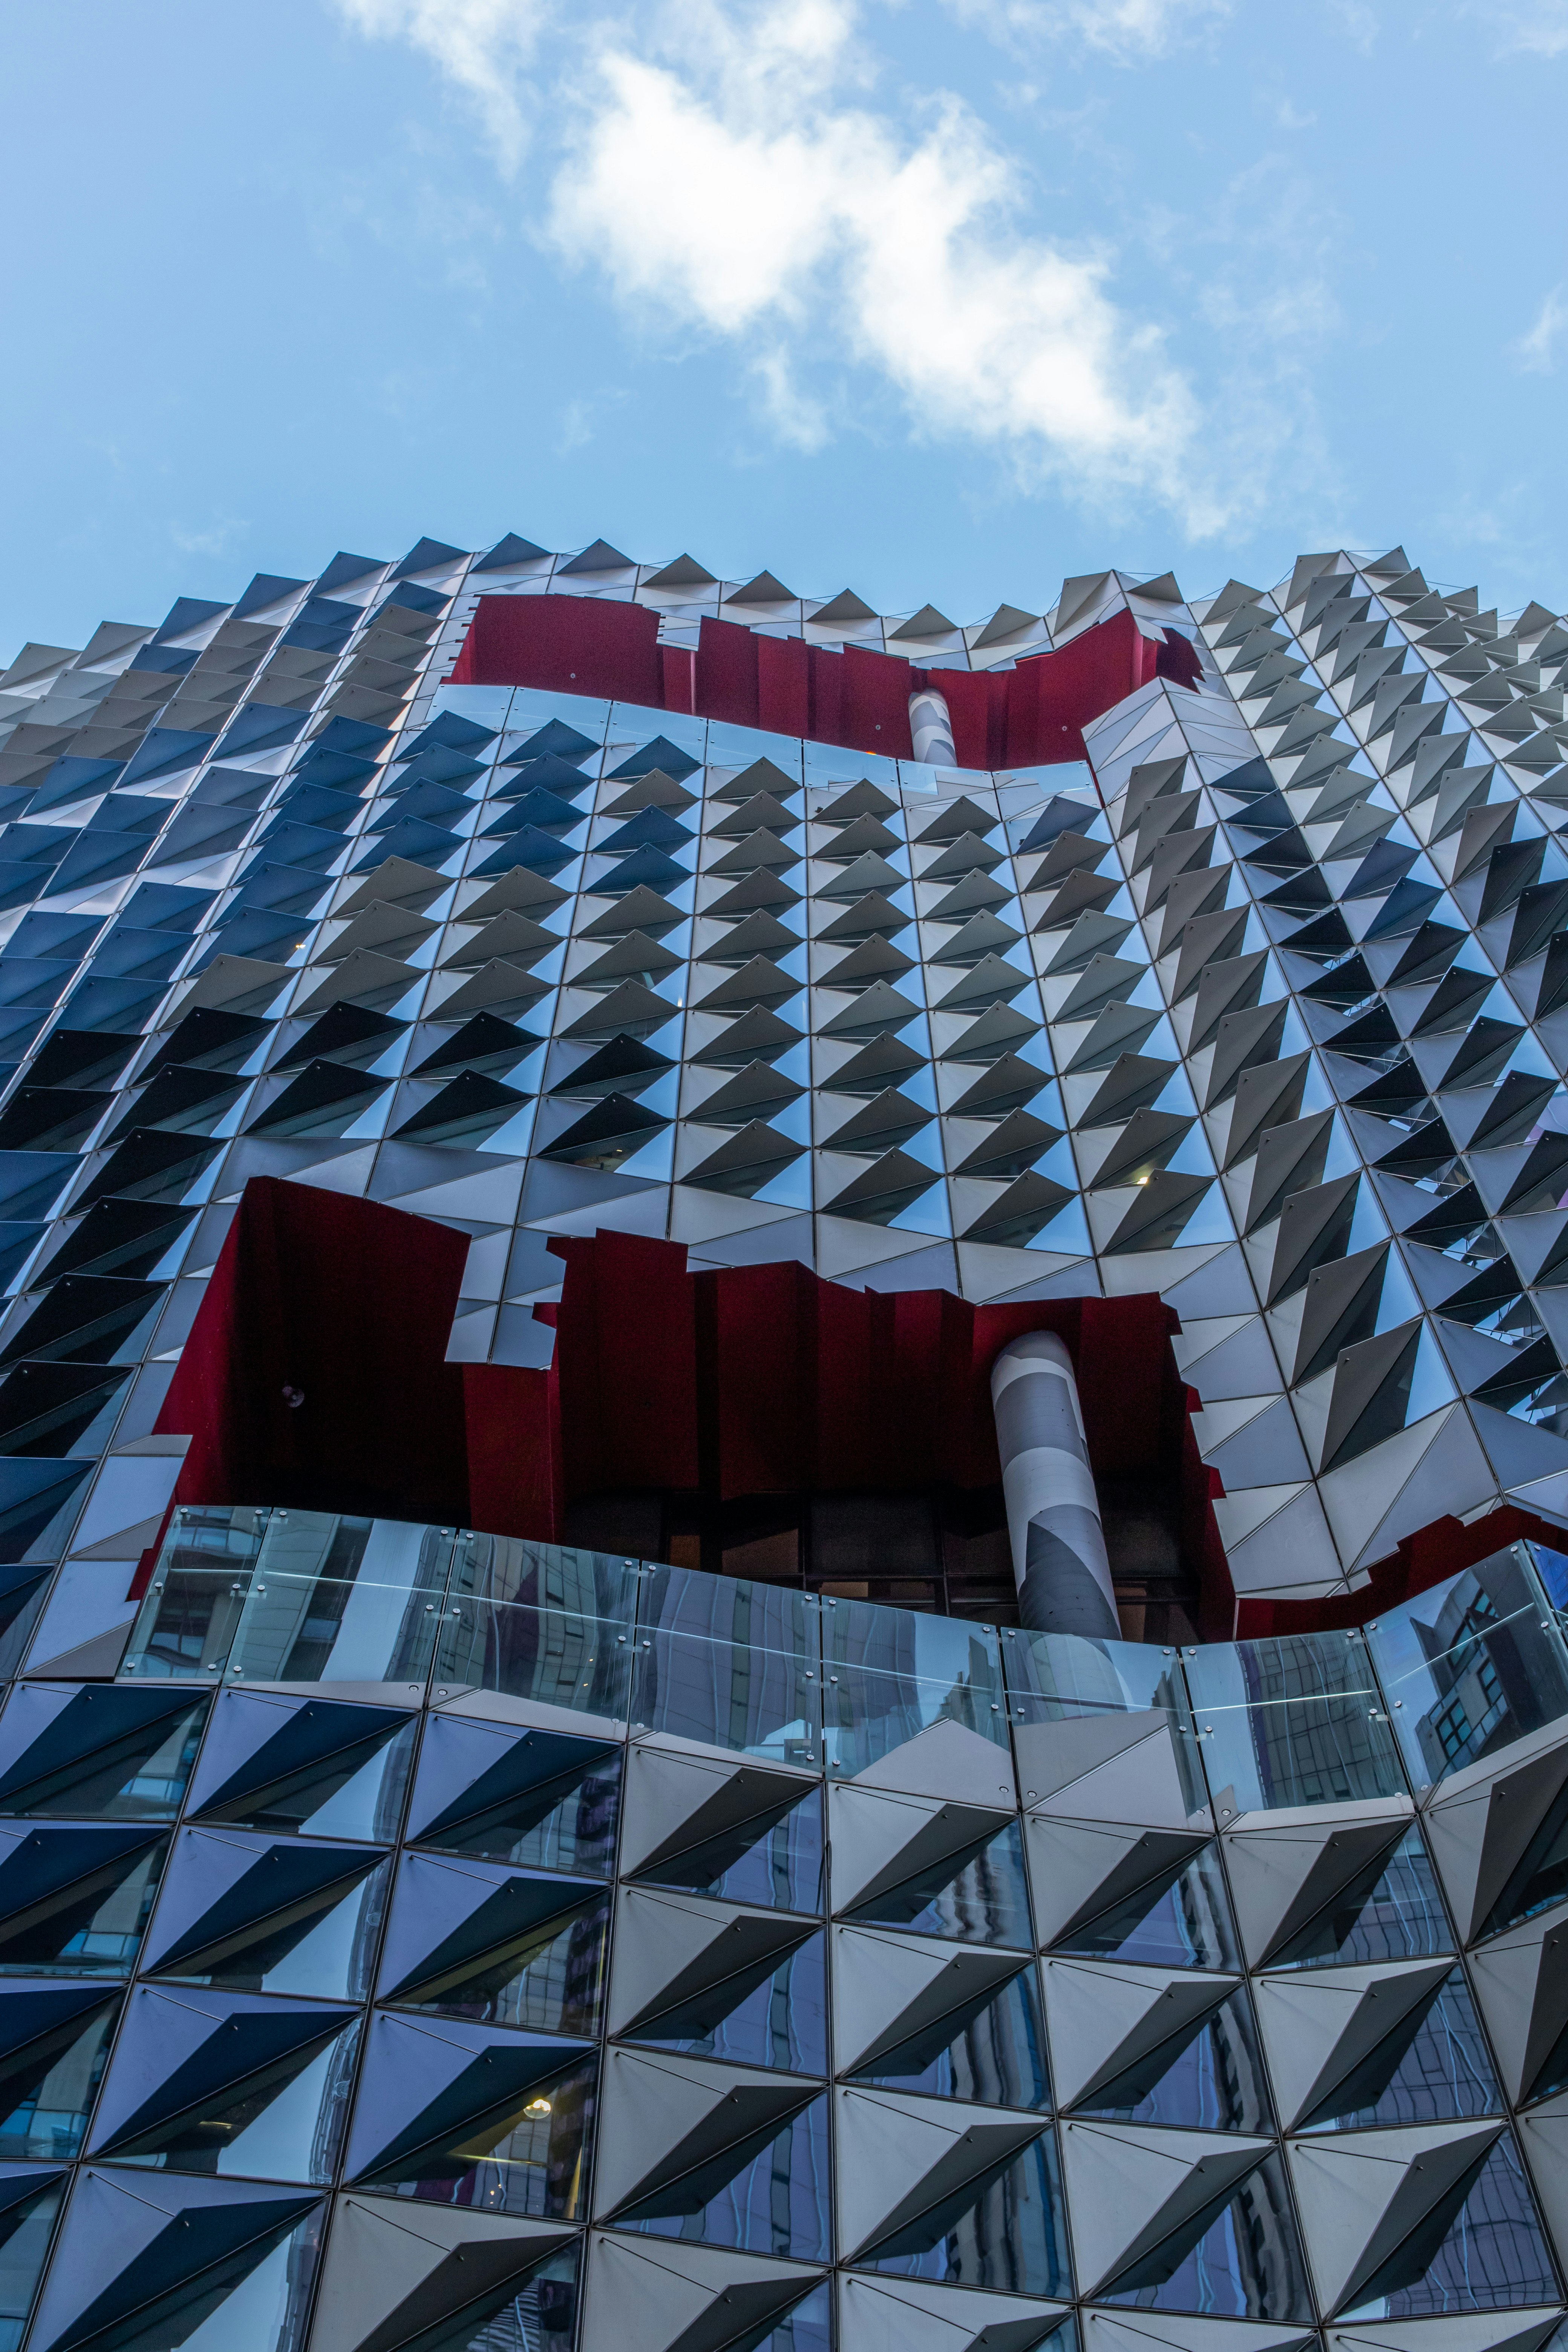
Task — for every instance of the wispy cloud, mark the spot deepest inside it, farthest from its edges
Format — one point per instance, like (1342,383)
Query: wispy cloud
(1537,27)
(1536,350)
(581,416)
(731,170)
(216,539)
(1130,31)
(485,47)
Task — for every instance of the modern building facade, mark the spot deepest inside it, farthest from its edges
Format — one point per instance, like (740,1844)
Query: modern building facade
(543,1094)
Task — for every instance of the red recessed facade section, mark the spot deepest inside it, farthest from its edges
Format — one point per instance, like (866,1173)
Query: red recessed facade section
(742,1380)
(1029,716)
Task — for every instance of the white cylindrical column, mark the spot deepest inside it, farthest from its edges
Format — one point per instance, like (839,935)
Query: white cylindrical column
(932,728)
(1053,1511)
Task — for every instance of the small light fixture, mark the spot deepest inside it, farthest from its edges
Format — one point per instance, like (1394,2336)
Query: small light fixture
(537,2107)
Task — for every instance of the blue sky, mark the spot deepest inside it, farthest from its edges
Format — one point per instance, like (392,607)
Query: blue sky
(937,298)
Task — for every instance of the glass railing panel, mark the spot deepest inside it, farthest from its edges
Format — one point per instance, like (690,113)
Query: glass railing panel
(890,1673)
(336,1599)
(728,1663)
(514,1569)
(1295,1720)
(305,1597)
(1474,1664)
(1052,1677)
(187,1624)
(554,1657)
(547,1622)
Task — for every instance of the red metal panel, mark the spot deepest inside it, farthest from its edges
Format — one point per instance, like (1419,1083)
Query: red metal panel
(678,668)
(564,644)
(727,673)
(783,685)
(513,1422)
(875,713)
(352,1304)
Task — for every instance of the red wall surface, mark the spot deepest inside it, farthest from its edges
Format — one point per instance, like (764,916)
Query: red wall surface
(740,1380)
(1032,715)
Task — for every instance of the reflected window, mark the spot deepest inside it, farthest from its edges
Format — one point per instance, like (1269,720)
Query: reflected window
(322,1768)
(728,1665)
(1208,2077)
(256,1915)
(1488,2255)
(984,1900)
(991,2051)
(1179,1920)
(1007,2232)
(500,1947)
(538,1798)
(1475,1664)
(75,1898)
(1247,2263)
(774,2201)
(116,1753)
(54,2045)
(1434,2068)
(770,1859)
(890,1673)
(1294,1720)
(1392,1911)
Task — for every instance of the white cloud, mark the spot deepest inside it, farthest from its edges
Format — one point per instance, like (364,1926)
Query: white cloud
(732,183)
(483,45)
(1536,351)
(729,169)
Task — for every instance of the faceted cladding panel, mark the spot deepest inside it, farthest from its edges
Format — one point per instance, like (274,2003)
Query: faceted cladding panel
(1221,1999)
(671,1962)
(1261,1004)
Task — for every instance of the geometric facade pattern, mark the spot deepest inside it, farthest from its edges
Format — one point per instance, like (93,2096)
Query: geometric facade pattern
(594,1953)
(1260,1004)
(412,1937)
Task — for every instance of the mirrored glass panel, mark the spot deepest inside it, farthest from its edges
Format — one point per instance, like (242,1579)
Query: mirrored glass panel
(76,1897)
(890,1673)
(222,2085)
(466,2114)
(1471,1665)
(54,2045)
(990,2049)
(538,1798)
(774,1858)
(728,1663)
(1392,1910)
(104,1753)
(30,2202)
(1011,2235)
(1244,2264)
(768,2200)
(321,1768)
(980,1896)
(501,1946)
(1489,2255)
(1294,1720)
(1208,2076)
(1433,2066)
(254,1914)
